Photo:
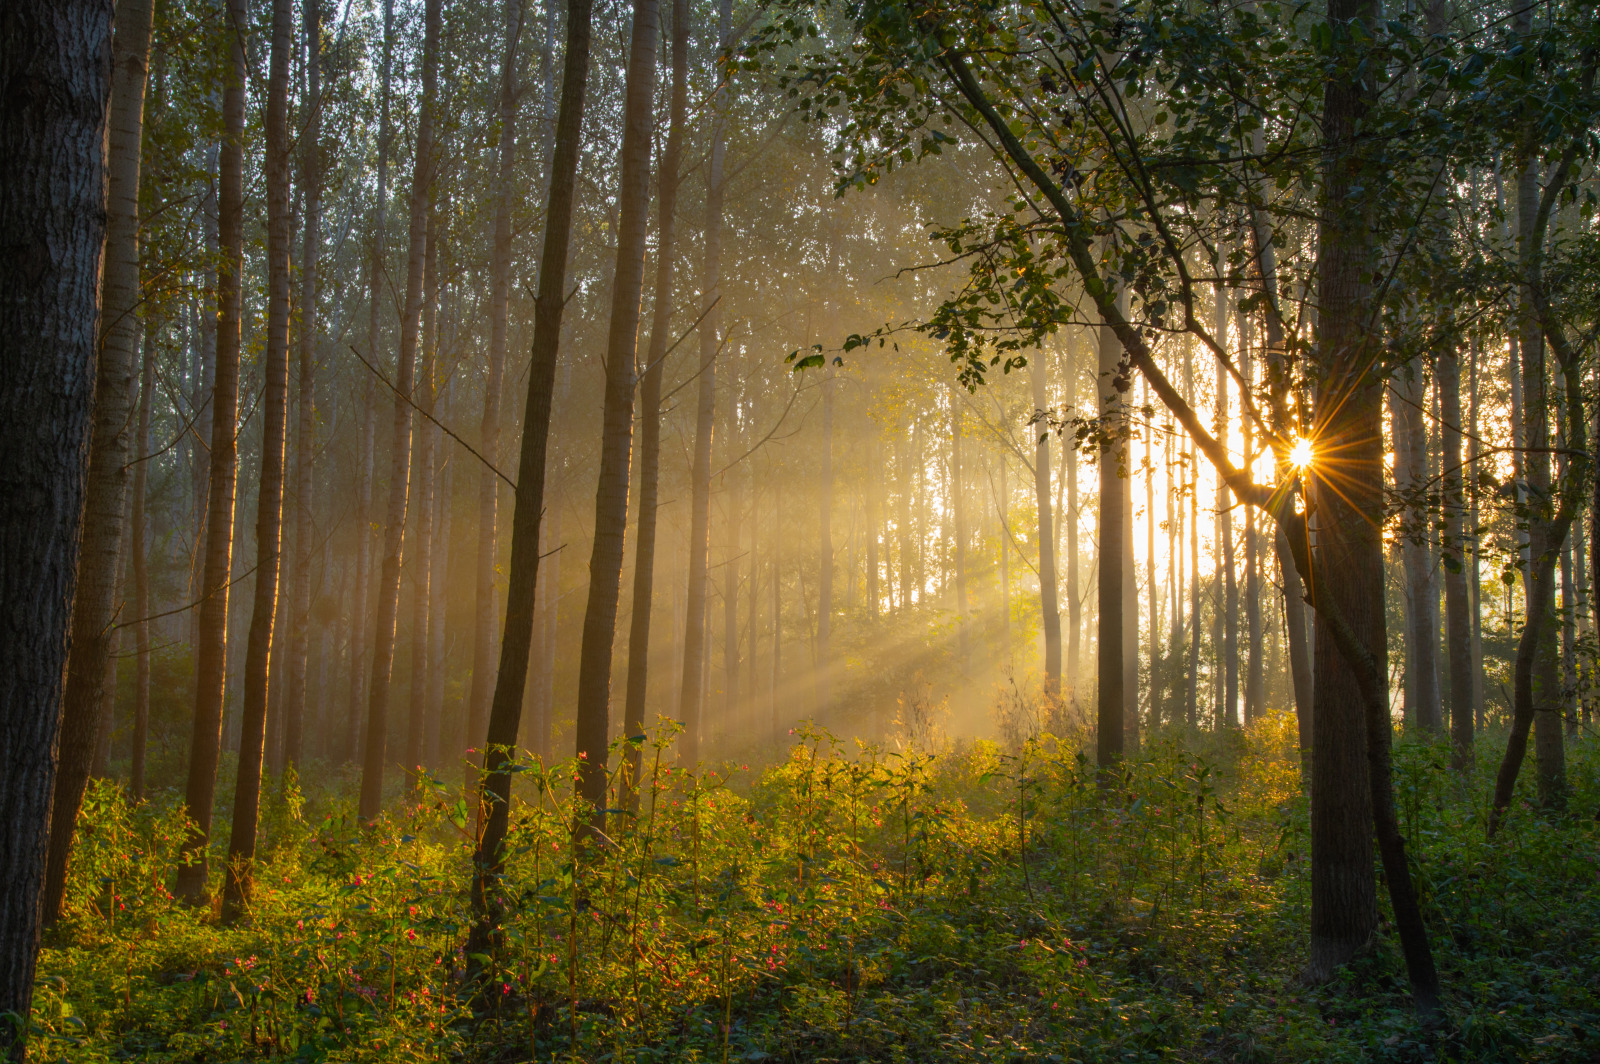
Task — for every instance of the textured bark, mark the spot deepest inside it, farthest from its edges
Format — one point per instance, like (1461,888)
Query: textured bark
(269,497)
(691,694)
(1109,594)
(484,635)
(211,652)
(95,609)
(616,440)
(1348,423)
(1049,607)
(388,590)
(55,66)
(299,580)
(505,709)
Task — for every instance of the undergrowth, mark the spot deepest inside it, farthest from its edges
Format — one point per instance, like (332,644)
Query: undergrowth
(850,903)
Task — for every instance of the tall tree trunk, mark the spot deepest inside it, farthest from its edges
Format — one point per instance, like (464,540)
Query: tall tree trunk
(484,636)
(421,506)
(1457,604)
(95,608)
(874,490)
(141,571)
(53,227)
(211,653)
(438,582)
(1252,558)
(958,514)
(294,700)
(388,589)
(1151,587)
(269,497)
(1407,396)
(1069,460)
(691,695)
(616,439)
(733,504)
(1191,694)
(505,709)
(823,658)
(903,530)
(1049,608)
(1348,420)
(1110,651)
(376,271)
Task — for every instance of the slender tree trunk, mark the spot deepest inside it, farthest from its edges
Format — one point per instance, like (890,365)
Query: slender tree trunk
(388,589)
(94,611)
(294,700)
(611,494)
(732,507)
(269,498)
(824,658)
(1408,394)
(692,694)
(211,654)
(376,273)
(444,480)
(874,491)
(1113,491)
(421,506)
(141,571)
(903,531)
(1458,628)
(1069,459)
(1475,573)
(52,203)
(1191,694)
(1252,558)
(484,636)
(1050,611)
(1151,587)
(505,708)
(958,513)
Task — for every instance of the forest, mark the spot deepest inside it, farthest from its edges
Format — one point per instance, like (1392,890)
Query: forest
(799,530)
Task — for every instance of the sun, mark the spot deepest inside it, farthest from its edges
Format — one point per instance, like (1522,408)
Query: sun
(1301,454)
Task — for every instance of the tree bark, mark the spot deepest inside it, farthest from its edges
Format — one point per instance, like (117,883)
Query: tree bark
(141,573)
(1109,593)
(1457,603)
(1408,394)
(388,589)
(484,636)
(505,709)
(294,701)
(421,506)
(616,446)
(1050,610)
(52,232)
(691,694)
(269,498)
(95,609)
(958,520)
(211,653)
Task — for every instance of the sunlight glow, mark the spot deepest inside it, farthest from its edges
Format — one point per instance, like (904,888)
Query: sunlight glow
(1301,454)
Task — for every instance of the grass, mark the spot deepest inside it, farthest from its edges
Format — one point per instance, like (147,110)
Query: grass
(850,903)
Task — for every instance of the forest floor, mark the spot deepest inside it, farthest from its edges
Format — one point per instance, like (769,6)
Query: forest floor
(847,904)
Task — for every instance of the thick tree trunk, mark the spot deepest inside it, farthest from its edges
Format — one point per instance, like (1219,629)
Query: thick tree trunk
(616,440)
(484,636)
(211,653)
(505,708)
(94,611)
(388,589)
(1050,610)
(53,228)
(299,599)
(692,695)
(1348,423)
(269,497)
